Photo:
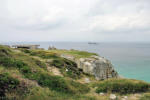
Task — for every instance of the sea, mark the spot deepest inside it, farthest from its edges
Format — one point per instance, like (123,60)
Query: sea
(130,60)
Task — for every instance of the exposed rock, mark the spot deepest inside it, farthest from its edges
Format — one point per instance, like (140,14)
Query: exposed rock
(113,97)
(49,60)
(101,94)
(125,98)
(66,70)
(87,80)
(54,70)
(68,57)
(98,66)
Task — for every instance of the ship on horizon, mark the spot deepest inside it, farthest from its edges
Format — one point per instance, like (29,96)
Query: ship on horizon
(92,43)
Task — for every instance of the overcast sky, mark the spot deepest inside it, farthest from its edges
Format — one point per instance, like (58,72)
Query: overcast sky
(75,20)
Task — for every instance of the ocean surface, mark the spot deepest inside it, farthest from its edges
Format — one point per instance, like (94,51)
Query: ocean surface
(131,60)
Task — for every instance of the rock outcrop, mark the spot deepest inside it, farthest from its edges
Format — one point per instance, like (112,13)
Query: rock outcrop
(98,66)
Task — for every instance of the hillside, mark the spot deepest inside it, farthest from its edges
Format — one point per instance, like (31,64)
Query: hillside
(46,75)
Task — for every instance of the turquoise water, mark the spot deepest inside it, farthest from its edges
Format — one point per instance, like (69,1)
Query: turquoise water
(131,60)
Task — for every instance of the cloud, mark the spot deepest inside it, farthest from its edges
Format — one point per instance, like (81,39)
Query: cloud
(98,20)
(124,17)
(115,22)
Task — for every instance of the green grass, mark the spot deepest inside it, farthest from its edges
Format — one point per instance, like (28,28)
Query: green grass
(11,62)
(145,97)
(74,53)
(42,53)
(55,53)
(122,86)
(38,93)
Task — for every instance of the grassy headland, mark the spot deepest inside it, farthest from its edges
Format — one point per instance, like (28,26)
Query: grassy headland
(29,75)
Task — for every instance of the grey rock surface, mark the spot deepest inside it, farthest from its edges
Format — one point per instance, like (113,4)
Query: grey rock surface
(98,66)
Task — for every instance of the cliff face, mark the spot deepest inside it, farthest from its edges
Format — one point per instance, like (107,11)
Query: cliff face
(98,66)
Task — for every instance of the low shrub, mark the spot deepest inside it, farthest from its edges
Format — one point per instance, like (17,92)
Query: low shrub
(54,83)
(7,84)
(122,86)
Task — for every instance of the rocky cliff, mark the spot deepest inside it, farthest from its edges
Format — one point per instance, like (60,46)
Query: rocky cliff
(98,66)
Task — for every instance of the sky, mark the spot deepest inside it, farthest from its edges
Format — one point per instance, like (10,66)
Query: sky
(75,20)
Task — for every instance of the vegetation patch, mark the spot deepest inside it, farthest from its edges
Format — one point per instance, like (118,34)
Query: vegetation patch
(53,82)
(55,53)
(40,63)
(57,83)
(57,61)
(25,50)
(38,93)
(4,51)
(75,53)
(7,84)
(122,86)
(68,67)
(11,62)
(145,97)
(80,54)
(42,53)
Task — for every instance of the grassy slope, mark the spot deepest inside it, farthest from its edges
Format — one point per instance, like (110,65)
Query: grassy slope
(75,53)
(27,77)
